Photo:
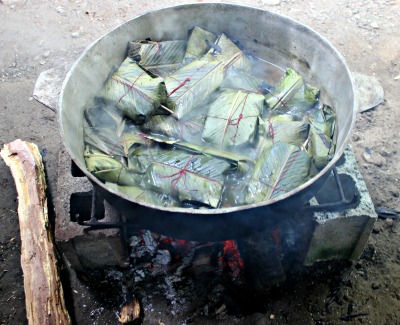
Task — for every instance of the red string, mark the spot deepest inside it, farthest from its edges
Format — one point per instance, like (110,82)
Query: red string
(275,188)
(236,121)
(187,79)
(159,48)
(179,86)
(131,87)
(288,166)
(178,175)
(271,131)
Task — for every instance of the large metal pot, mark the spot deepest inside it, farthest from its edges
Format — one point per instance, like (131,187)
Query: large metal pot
(270,36)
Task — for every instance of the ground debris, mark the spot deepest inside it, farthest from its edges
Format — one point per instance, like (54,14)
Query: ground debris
(131,313)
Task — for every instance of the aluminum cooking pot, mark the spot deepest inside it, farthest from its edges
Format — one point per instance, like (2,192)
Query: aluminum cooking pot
(270,36)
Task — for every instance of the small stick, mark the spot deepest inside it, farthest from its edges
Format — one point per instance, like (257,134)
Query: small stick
(165,108)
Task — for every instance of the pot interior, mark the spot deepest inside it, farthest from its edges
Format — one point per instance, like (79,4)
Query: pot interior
(267,35)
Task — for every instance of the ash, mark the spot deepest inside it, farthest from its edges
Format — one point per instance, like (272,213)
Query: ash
(177,281)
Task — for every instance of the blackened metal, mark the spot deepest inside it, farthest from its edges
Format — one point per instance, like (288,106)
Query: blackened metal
(81,207)
(387,213)
(347,200)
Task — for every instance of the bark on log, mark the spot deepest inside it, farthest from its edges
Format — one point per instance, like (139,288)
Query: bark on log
(43,291)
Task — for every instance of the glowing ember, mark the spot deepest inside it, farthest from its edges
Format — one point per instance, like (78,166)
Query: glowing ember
(231,259)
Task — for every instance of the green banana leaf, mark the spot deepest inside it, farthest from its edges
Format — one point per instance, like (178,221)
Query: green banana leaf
(134,92)
(192,84)
(322,126)
(100,115)
(171,127)
(274,130)
(107,141)
(142,195)
(140,158)
(230,54)
(159,58)
(108,168)
(279,169)
(241,80)
(233,119)
(189,177)
(292,95)
(197,43)
(239,163)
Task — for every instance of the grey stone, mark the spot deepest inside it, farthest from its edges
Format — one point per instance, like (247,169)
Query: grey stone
(368,91)
(343,235)
(84,250)
(48,86)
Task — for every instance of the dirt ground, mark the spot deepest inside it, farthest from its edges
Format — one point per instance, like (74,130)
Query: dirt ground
(39,35)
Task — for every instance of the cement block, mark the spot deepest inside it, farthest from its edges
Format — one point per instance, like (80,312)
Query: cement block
(343,235)
(84,249)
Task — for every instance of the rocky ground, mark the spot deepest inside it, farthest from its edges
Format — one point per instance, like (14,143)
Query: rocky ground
(39,35)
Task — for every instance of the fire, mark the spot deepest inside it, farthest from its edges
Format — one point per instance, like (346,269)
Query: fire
(231,258)
(177,247)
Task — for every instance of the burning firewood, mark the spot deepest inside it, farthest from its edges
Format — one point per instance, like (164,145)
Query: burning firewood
(43,291)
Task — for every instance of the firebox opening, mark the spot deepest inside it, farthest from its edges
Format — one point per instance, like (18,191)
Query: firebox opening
(81,207)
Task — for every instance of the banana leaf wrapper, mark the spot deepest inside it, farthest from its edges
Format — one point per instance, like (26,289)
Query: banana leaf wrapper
(279,169)
(134,92)
(229,54)
(188,177)
(241,80)
(198,43)
(276,130)
(111,143)
(232,119)
(192,84)
(108,168)
(143,195)
(320,146)
(239,163)
(158,58)
(169,126)
(100,115)
(140,158)
(292,95)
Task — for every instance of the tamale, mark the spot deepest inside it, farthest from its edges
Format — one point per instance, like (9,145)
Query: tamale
(189,177)
(232,119)
(144,195)
(171,127)
(277,129)
(320,145)
(229,54)
(108,168)
(192,84)
(279,169)
(239,163)
(197,44)
(292,95)
(134,92)
(159,58)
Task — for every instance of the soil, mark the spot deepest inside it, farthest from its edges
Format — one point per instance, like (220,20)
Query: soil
(39,35)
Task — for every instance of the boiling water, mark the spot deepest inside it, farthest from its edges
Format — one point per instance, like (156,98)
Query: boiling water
(101,116)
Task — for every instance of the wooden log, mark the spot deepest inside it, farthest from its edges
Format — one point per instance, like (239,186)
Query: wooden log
(44,295)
